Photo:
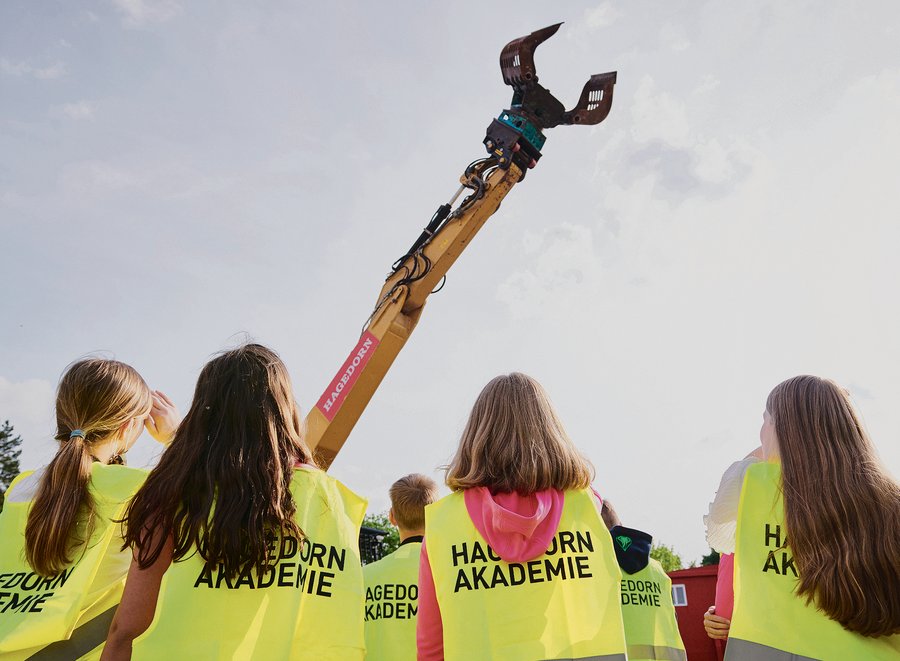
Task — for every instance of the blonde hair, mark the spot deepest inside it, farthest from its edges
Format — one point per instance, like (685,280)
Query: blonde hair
(409,496)
(97,397)
(842,509)
(514,441)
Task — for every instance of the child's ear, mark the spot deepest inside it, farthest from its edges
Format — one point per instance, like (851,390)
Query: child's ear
(391,517)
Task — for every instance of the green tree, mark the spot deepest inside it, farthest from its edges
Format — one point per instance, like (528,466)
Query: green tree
(666,556)
(712,558)
(391,540)
(10,449)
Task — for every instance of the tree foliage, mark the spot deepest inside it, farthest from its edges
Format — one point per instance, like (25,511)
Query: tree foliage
(391,540)
(10,449)
(712,558)
(666,556)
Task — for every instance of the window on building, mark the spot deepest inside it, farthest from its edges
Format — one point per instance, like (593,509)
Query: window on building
(679,595)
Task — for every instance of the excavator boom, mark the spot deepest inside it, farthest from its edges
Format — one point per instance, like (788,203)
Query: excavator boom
(513,142)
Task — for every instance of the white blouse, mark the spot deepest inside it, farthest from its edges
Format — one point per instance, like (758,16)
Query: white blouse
(721,522)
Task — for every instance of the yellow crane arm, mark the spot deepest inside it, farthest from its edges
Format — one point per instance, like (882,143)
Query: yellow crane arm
(398,310)
(514,141)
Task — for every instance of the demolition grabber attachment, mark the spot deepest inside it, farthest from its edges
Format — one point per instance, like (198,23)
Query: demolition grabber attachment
(514,141)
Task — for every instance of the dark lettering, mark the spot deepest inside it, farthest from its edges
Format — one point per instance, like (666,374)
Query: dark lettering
(413,588)
(499,578)
(459,555)
(581,564)
(267,578)
(286,575)
(205,577)
(37,581)
(288,548)
(558,569)
(492,554)
(566,541)
(318,553)
(478,554)
(37,605)
(337,558)
(370,613)
(322,589)
(514,569)
(787,562)
(461,581)
(246,577)
(534,572)
(478,576)
(771,563)
(222,576)
(585,541)
(773,535)
(553,547)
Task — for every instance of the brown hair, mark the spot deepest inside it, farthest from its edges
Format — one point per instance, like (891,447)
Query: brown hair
(842,509)
(514,441)
(96,396)
(222,488)
(409,496)
(609,515)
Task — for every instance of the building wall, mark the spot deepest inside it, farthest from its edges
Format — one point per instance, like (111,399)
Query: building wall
(700,590)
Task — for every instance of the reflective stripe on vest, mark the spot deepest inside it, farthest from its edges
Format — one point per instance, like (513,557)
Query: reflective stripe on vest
(644,652)
(36,611)
(769,620)
(651,628)
(563,604)
(392,601)
(309,606)
(85,638)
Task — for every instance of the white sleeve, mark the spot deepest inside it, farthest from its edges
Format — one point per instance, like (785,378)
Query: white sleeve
(721,522)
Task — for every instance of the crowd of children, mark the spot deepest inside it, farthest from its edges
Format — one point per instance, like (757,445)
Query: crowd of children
(237,546)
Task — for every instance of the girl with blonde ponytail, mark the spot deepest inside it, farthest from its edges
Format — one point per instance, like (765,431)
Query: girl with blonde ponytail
(62,569)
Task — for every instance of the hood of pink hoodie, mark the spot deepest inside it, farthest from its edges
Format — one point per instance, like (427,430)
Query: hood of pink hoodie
(518,528)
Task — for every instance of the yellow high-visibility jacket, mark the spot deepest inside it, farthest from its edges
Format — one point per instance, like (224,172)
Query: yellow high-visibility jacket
(770,622)
(66,616)
(309,606)
(564,604)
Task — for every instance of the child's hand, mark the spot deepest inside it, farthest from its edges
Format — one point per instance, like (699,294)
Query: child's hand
(164,418)
(716,627)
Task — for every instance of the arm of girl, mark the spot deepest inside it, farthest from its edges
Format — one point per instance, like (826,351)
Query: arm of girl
(164,418)
(429,626)
(138,605)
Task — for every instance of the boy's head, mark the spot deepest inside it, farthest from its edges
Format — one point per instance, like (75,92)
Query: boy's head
(409,496)
(609,516)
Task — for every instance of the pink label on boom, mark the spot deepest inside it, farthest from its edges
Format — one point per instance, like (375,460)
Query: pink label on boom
(331,400)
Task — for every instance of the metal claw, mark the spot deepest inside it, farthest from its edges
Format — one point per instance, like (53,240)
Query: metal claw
(535,101)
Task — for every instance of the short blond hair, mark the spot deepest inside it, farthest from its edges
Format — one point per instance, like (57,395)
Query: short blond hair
(409,496)
(514,441)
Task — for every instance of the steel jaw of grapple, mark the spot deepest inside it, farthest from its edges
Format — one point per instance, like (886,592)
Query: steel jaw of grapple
(515,136)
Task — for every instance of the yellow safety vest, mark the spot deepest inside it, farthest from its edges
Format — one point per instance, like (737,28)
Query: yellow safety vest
(49,617)
(310,606)
(392,601)
(651,628)
(563,604)
(770,623)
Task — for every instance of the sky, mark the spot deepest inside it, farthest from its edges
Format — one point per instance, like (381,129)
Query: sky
(178,176)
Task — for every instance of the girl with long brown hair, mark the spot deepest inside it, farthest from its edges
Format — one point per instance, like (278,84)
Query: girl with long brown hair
(242,547)
(817,554)
(61,568)
(517,562)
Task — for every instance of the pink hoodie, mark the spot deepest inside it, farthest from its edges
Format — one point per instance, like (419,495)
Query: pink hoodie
(518,528)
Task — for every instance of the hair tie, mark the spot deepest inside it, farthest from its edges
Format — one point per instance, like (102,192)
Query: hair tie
(76,432)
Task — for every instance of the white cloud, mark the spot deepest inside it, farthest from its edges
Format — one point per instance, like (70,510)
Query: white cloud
(19,69)
(28,405)
(674,38)
(657,115)
(601,16)
(78,110)
(96,177)
(138,13)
